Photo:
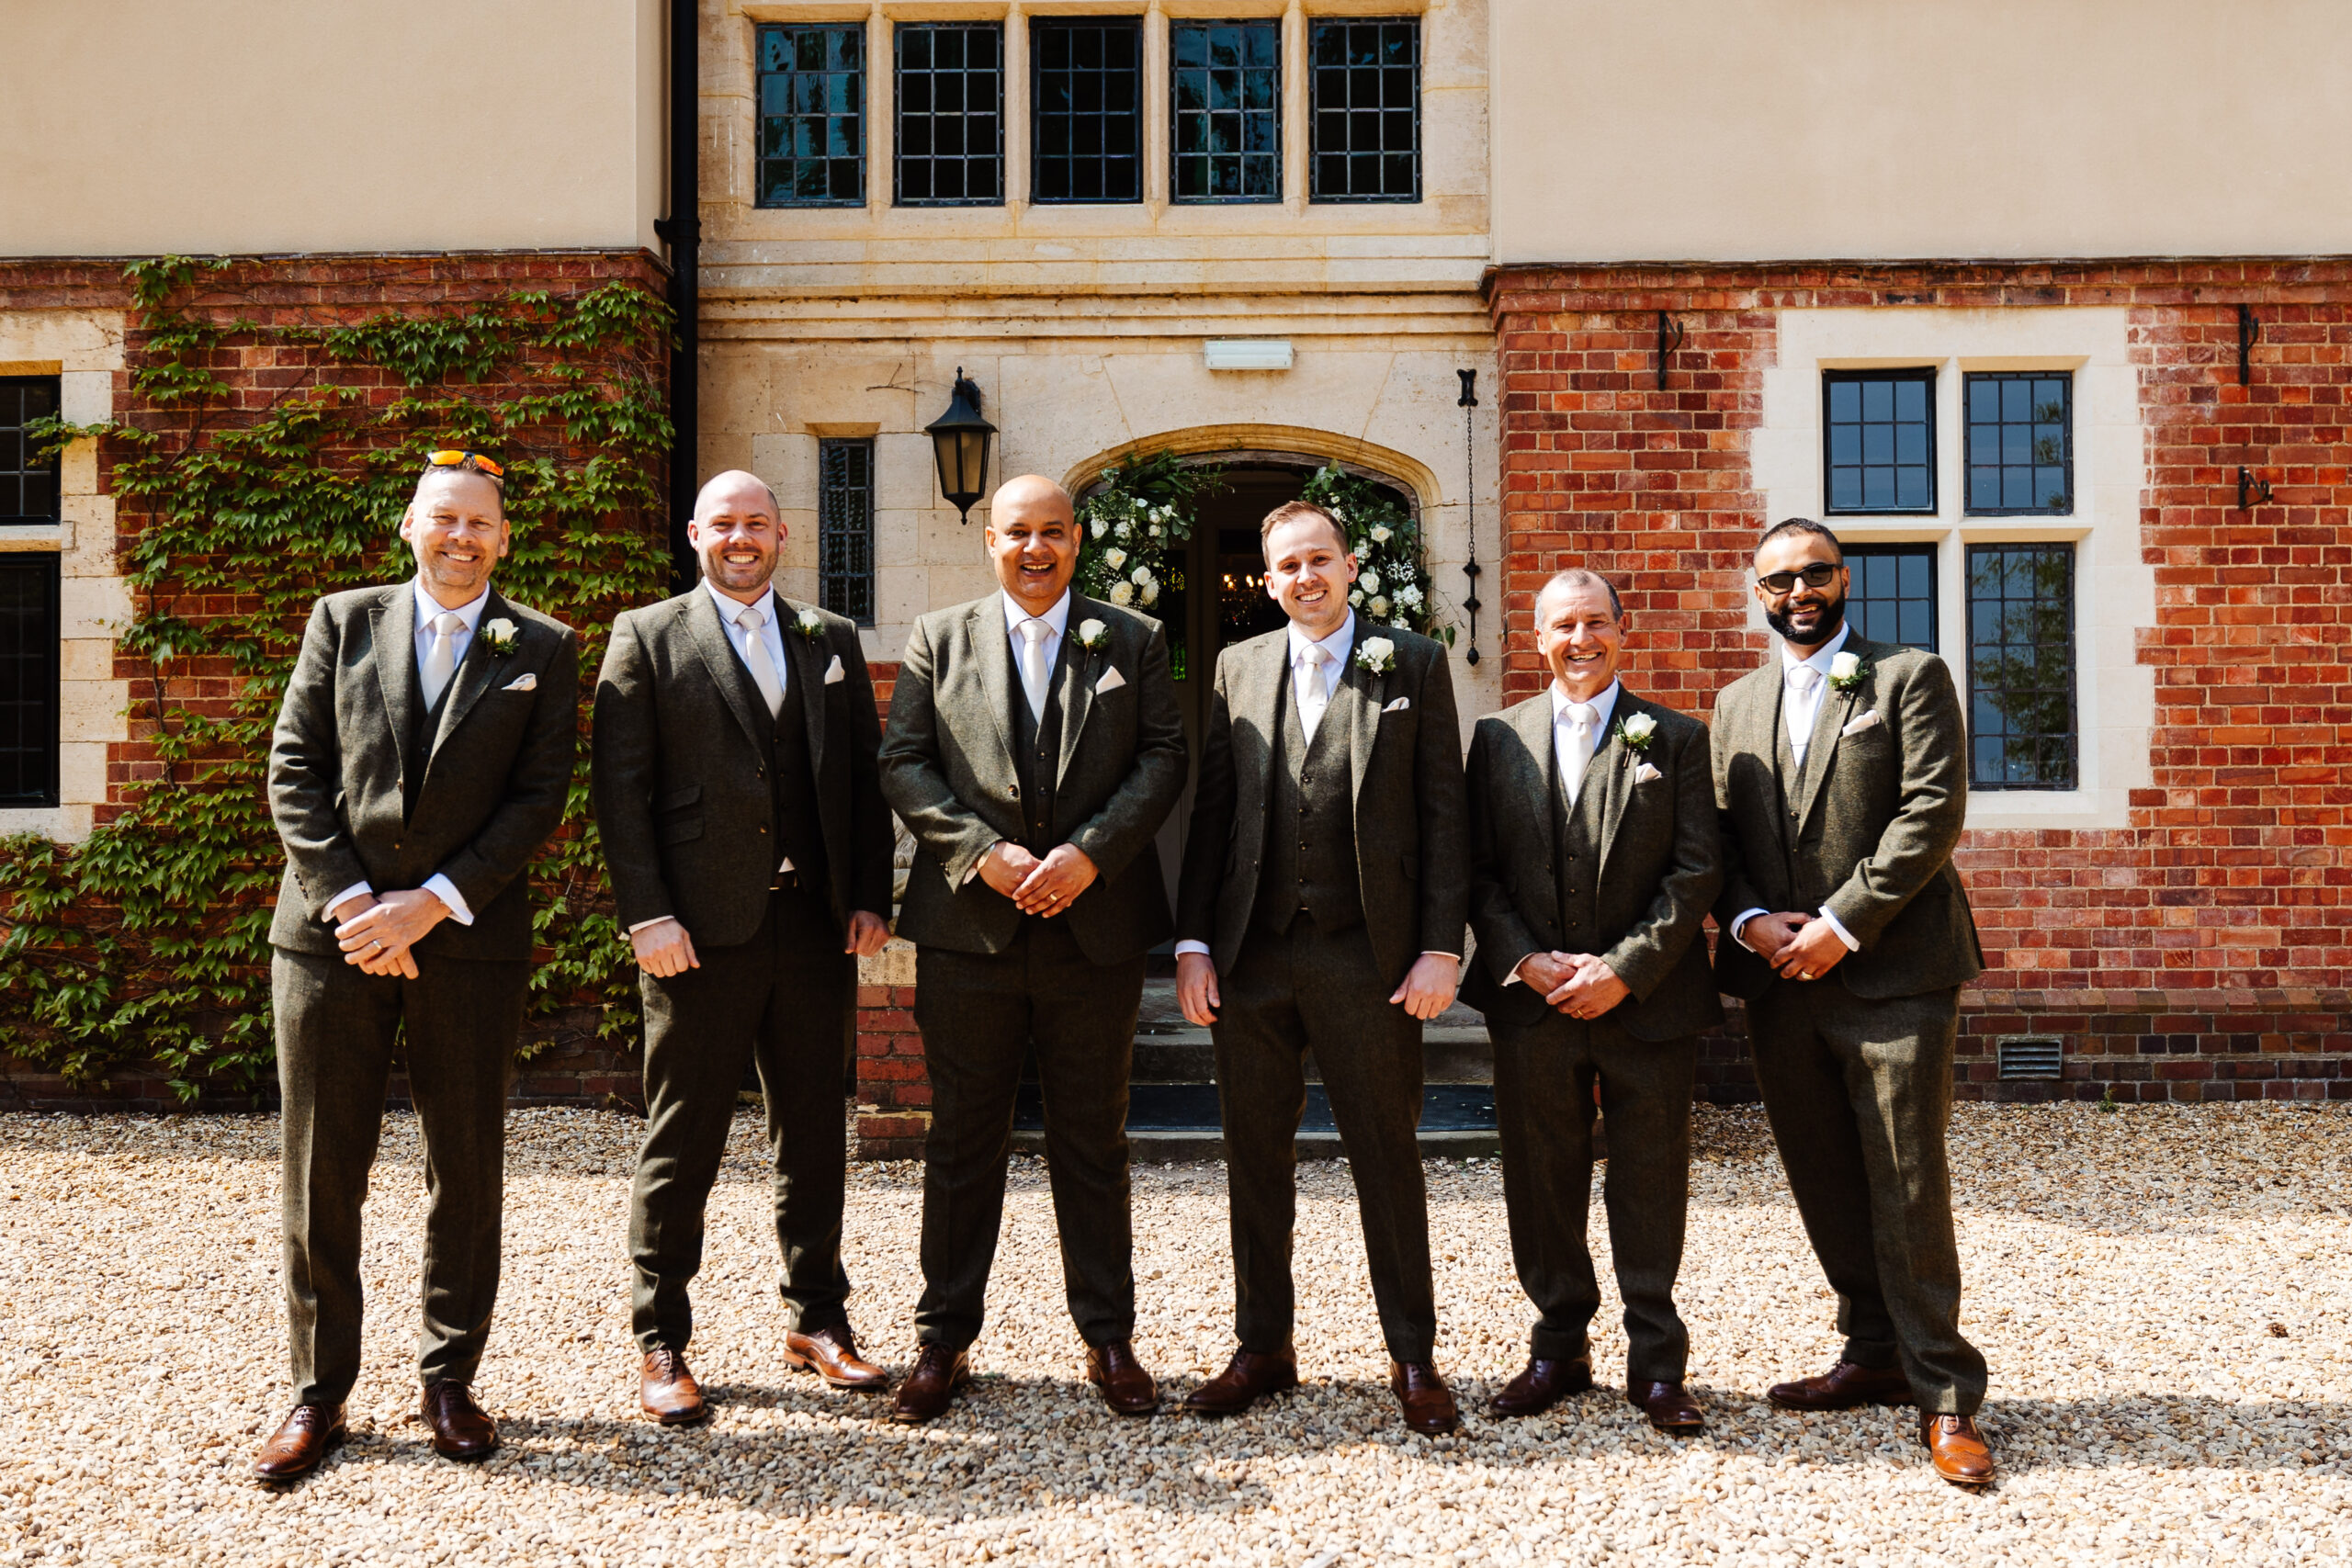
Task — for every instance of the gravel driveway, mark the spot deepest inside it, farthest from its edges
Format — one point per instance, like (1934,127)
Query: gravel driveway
(2163,1295)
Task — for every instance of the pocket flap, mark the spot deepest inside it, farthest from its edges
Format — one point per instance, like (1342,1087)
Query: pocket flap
(681,833)
(678,797)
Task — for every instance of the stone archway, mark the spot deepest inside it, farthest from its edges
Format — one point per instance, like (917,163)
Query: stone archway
(1274,444)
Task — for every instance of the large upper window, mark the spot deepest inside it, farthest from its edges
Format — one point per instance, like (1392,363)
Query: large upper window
(951,114)
(1878,440)
(2021,666)
(2021,443)
(1891,593)
(1226,89)
(845,528)
(1085,91)
(1365,116)
(812,116)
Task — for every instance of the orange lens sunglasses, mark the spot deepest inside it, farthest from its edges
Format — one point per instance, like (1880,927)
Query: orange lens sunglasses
(451,457)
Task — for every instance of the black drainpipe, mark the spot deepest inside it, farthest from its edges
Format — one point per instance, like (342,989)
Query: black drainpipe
(682,231)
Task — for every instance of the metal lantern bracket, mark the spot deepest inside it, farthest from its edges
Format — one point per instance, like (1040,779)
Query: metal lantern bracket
(2249,333)
(959,445)
(2252,491)
(1669,341)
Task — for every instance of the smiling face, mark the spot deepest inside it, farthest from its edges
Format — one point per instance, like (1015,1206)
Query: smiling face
(456,526)
(1308,572)
(1805,616)
(1581,637)
(737,535)
(1031,539)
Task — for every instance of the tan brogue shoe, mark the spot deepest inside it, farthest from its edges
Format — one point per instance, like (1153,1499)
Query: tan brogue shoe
(1428,1403)
(1844,1387)
(301,1441)
(1670,1410)
(930,1388)
(831,1353)
(1542,1384)
(1126,1387)
(460,1430)
(666,1390)
(1247,1379)
(1961,1454)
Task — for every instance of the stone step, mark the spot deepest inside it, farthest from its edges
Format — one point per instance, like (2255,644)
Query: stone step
(1449,1055)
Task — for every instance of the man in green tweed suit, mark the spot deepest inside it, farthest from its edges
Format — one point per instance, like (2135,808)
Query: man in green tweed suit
(421,759)
(1594,857)
(1322,908)
(1034,749)
(1841,775)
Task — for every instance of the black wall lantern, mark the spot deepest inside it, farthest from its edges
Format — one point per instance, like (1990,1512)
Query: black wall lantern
(959,438)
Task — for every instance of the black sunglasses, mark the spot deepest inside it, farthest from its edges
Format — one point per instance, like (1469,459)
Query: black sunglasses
(1818,575)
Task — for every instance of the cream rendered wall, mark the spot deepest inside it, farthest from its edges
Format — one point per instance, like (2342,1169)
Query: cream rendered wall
(1783,129)
(136,127)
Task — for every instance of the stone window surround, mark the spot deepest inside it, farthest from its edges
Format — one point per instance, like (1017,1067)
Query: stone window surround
(2115,588)
(83,350)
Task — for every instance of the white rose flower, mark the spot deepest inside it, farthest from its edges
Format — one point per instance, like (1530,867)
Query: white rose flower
(1150,594)
(1155,530)
(1125,530)
(1369,580)
(1402,624)
(1122,594)
(1090,631)
(1380,533)
(501,629)
(1114,558)
(1844,666)
(1409,597)
(1336,515)
(1099,526)
(1140,576)
(1379,604)
(1639,727)
(1355,596)
(1378,653)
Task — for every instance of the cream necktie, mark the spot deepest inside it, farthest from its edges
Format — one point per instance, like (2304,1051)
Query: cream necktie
(1033,673)
(1313,696)
(441,655)
(755,656)
(1579,717)
(1804,685)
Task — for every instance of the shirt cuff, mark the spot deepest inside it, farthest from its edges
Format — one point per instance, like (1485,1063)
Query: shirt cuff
(1433,952)
(1741,920)
(1188,946)
(1513,978)
(976,862)
(441,887)
(1839,927)
(354,891)
(654,921)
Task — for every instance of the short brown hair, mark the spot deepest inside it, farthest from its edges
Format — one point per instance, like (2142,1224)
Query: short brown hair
(1291,512)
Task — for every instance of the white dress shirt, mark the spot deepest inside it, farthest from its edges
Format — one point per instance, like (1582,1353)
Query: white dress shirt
(1801,709)
(1563,737)
(427,609)
(1058,619)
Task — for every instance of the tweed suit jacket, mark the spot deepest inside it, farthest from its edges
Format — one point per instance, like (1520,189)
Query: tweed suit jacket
(679,762)
(1405,774)
(495,774)
(948,771)
(1869,833)
(1661,865)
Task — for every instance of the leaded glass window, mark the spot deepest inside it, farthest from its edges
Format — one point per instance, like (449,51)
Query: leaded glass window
(2021,666)
(1890,596)
(27,481)
(812,116)
(1086,132)
(1878,440)
(845,528)
(28,672)
(1366,114)
(2021,443)
(1225,92)
(951,114)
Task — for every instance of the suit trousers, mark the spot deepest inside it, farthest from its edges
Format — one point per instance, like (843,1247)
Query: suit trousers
(456,1024)
(1307,989)
(979,1012)
(784,1000)
(1859,1093)
(1544,1076)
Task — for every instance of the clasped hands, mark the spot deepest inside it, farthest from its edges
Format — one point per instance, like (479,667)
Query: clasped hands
(1044,888)
(377,929)
(1798,947)
(1579,983)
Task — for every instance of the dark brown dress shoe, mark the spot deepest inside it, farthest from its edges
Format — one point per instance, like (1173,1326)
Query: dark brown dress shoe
(1126,1387)
(1428,1403)
(1961,1453)
(1541,1385)
(1844,1387)
(1247,1379)
(301,1441)
(460,1430)
(931,1387)
(831,1353)
(1670,1410)
(667,1390)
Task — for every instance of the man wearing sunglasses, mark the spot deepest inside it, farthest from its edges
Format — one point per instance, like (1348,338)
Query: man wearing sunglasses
(421,759)
(1841,783)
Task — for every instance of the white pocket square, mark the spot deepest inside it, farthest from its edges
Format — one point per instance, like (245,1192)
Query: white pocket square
(522,683)
(1867,721)
(834,672)
(1644,774)
(1398,706)
(1112,681)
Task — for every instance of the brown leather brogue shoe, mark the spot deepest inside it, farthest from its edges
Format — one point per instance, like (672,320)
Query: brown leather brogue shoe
(301,1441)
(1670,1410)
(667,1390)
(1844,1387)
(930,1388)
(1126,1387)
(1541,1385)
(1427,1402)
(1247,1379)
(1961,1454)
(831,1353)
(460,1431)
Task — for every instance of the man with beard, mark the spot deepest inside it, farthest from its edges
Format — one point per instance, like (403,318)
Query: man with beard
(1841,779)
(742,821)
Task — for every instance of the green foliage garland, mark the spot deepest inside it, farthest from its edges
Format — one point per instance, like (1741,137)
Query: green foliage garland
(1141,509)
(149,941)
(1392,580)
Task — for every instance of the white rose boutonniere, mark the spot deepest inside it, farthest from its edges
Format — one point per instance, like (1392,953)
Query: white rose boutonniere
(1635,731)
(808,624)
(1846,671)
(1377,655)
(1093,635)
(500,636)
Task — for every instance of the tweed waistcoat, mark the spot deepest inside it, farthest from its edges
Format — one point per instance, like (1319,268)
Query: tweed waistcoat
(424,723)
(1575,861)
(1789,773)
(792,782)
(1036,758)
(1310,861)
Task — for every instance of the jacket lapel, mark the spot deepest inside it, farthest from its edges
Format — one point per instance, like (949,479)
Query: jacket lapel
(992,652)
(719,657)
(393,638)
(473,674)
(1537,782)
(1364,692)
(1080,667)
(1618,782)
(1829,726)
(806,658)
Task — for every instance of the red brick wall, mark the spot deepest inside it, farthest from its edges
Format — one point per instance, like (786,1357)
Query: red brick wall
(2201,952)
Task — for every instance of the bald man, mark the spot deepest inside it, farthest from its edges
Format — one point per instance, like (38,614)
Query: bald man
(1035,747)
(734,775)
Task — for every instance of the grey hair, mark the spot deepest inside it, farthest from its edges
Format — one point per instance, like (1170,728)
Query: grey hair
(1580,577)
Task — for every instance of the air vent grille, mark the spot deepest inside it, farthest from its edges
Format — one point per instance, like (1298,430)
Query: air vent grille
(2030,1057)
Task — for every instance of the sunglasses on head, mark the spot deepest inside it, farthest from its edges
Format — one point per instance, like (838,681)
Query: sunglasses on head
(1820,574)
(451,457)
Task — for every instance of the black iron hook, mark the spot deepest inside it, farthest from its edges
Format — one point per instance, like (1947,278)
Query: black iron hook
(1669,341)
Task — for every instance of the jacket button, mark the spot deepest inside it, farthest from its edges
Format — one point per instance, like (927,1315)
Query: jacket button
(764,832)
(1014,791)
